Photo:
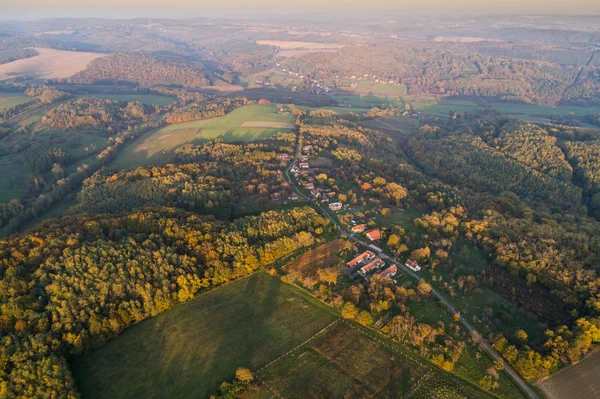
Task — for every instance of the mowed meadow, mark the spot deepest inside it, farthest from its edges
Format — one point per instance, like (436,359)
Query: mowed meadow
(188,351)
(245,124)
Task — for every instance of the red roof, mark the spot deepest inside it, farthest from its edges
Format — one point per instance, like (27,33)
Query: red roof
(359,259)
(374,234)
(359,228)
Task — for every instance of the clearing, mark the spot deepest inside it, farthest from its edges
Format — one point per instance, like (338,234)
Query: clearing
(157,147)
(346,362)
(295,45)
(186,352)
(10,100)
(49,64)
(581,380)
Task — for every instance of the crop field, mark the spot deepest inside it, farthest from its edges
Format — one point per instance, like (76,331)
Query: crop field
(148,99)
(186,352)
(10,100)
(345,362)
(49,64)
(581,380)
(323,256)
(157,147)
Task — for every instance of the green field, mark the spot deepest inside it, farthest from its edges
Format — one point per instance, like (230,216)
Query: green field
(346,362)
(8,100)
(157,147)
(149,99)
(14,178)
(188,351)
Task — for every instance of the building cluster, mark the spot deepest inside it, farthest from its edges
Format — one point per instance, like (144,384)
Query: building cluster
(368,264)
(305,176)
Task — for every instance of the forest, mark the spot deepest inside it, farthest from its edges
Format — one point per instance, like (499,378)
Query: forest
(122,269)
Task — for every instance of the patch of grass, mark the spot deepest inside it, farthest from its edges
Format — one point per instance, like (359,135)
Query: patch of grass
(149,99)
(532,109)
(401,218)
(157,147)
(188,351)
(442,106)
(474,369)
(9,100)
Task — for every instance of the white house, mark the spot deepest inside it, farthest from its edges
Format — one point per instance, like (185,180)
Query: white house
(335,206)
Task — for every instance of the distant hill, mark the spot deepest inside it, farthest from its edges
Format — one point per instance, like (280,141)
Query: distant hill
(144,70)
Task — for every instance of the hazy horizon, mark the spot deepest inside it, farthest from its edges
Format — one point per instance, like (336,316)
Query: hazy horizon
(38,9)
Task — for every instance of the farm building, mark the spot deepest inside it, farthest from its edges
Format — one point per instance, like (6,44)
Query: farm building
(304,158)
(304,165)
(315,193)
(359,228)
(371,267)
(335,206)
(360,260)
(413,265)
(309,186)
(389,272)
(283,157)
(374,234)
(293,197)
(307,148)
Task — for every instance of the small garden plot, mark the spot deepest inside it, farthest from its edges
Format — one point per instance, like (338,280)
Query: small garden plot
(323,256)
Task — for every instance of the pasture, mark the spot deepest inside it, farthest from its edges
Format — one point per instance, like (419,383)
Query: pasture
(186,352)
(157,147)
(346,361)
(49,64)
(581,380)
(9,100)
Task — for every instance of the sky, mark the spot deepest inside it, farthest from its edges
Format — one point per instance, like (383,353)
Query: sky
(34,9)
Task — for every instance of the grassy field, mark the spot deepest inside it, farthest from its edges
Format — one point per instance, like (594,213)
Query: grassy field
(157,147)
(345,362)
(149,99)
(14,178)
(188,351)
(10,100)
(581,380)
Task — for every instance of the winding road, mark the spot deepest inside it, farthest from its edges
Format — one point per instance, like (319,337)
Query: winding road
(476,336)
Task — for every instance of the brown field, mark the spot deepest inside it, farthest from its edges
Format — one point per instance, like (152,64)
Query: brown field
(293,45)
(276,125)
(580,381)
(49,64)
(344,362)
(323,256)
(463,39)
(299,53)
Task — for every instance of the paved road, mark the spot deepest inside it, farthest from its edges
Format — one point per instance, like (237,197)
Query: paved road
(477,337)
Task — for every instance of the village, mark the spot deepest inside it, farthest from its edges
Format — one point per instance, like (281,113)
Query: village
(365,264)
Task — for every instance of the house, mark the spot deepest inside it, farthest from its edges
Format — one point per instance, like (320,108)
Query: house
(293,197)
(371,267)
(315,193)
(335,206)
(413,265)
(331,194)
(283,157)
(304,165)
(389,272)
(309,186)
(374,234)
(360,260)
(304,158)
(307,148)
(359,228)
